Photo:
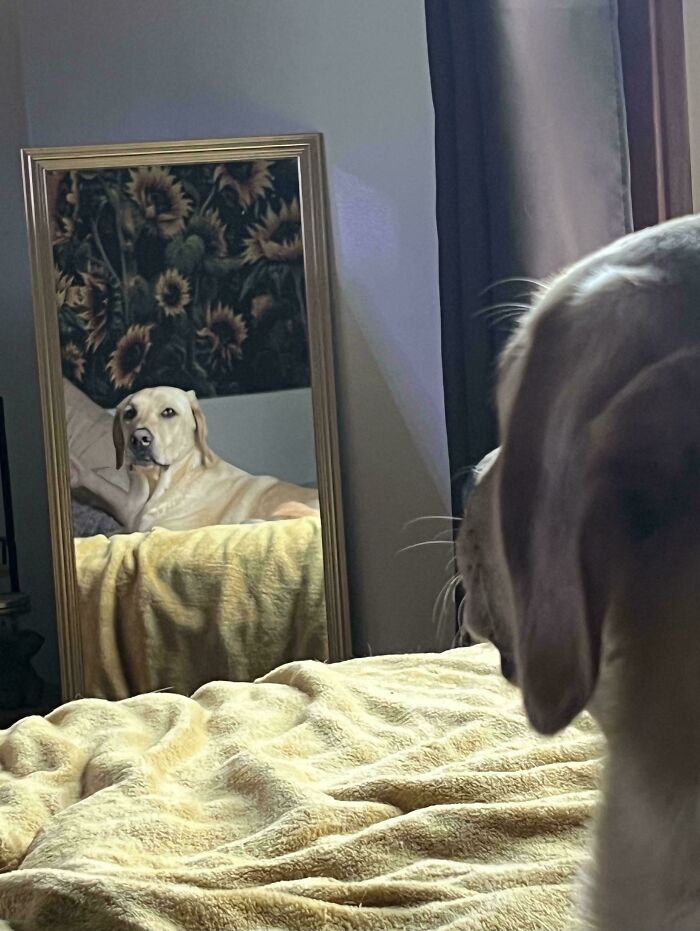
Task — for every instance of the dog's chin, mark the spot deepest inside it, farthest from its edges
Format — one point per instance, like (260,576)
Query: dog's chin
(478,627)
(509,670)
(146,462)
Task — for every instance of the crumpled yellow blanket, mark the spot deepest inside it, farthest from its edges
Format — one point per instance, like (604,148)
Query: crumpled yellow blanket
(175,609)
(400,792)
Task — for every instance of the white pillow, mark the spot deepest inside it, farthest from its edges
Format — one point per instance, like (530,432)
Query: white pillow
(90,434)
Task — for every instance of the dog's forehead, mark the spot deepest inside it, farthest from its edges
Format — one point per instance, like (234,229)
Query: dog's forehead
(562,306)
(152,398)
(512,364)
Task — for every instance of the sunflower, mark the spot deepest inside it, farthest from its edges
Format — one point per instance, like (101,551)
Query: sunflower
(161,199)
(172,293)
(63,284)
(211,231)
(226,332)
(277,237)
(73,362)
(68,293)
(129,357)
(249,179)
(77,296)
(260,305)
(96,304)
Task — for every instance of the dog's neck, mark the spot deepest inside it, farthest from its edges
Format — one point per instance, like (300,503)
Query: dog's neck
(648,832)
(150,482)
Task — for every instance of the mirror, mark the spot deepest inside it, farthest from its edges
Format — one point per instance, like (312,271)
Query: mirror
(182,311)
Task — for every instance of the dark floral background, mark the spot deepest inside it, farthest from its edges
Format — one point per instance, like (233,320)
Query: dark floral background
(190,276)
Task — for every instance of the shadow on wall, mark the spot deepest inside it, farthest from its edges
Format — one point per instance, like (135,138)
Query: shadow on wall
(383,492)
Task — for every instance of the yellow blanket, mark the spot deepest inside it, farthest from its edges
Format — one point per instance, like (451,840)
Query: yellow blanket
(401,792)
(173,610)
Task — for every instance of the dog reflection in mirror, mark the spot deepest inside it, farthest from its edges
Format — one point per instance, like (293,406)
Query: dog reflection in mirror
(580,553)
(176,481)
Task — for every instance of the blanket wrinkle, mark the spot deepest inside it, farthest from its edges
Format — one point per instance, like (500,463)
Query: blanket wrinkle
(178,608)
(400,793)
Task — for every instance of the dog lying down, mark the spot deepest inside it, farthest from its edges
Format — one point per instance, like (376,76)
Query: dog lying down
(580,553)
(175,480)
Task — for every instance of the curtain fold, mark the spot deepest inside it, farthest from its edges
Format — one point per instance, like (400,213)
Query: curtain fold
(532,173)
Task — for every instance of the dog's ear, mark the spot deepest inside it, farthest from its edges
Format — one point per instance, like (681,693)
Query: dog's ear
(572,516)
(200,429)
(117,431)
(643,475)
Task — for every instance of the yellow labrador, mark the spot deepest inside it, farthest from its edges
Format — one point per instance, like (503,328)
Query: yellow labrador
(175,480)
(580,553)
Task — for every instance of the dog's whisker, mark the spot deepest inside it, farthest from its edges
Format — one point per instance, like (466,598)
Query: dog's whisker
(513,307)
(441,593)
(506,313)
(442,625)
(440,613)
(437,605)
(415,520)
(413,546)
(442,533)
(460,612)
(514,278)
(461,627)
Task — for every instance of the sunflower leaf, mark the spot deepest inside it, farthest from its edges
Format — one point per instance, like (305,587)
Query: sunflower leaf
(253,280)
(218,268)
(141,306)
(191,190)
(185,254)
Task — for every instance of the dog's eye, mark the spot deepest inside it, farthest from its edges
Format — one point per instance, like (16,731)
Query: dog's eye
(168,412)
(129,413)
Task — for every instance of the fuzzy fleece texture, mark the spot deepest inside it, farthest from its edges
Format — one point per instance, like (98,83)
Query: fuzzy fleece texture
(394,793)
(252,597)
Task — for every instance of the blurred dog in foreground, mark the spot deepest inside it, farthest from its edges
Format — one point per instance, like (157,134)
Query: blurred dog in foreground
(580,553)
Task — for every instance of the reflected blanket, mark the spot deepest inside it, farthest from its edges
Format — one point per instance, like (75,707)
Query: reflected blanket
(174,609)
(402,792)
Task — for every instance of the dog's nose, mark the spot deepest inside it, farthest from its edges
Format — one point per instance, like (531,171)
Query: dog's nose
(507,667)
(141,438)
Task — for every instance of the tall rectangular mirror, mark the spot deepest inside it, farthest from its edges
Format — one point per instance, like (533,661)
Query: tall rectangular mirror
(183,327)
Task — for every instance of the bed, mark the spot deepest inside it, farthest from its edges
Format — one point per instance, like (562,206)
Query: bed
(396,792)
(174,609)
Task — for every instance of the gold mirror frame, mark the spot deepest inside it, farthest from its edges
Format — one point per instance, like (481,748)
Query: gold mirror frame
(308,150)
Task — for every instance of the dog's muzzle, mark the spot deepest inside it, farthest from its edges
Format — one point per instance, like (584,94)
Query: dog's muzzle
(508,670)
(140,444)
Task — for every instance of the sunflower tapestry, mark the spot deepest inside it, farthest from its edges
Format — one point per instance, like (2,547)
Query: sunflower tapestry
(190,276)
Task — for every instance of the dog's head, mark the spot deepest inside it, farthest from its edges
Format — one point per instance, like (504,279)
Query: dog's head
(159,426)
(598,471)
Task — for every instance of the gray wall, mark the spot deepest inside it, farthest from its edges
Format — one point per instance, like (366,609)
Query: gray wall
(95,71)
(18,371)
(267,434)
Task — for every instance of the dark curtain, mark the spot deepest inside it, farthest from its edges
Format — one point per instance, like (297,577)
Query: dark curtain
(532,173)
